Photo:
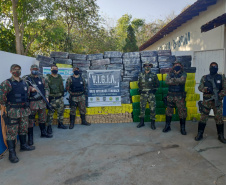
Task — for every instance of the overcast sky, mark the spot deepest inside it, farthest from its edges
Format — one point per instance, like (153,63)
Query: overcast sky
(144,9)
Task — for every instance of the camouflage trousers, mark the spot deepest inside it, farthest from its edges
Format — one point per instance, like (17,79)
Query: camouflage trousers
(19,126)
(150,98)
(79,102)
(218,112)
(58,105)
(41,116)
(179,102)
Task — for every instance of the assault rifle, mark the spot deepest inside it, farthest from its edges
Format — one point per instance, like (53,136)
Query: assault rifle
(39,93)
(215,95)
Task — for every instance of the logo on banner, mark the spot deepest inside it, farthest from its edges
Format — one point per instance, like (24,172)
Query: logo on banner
(104,98)
(110,98)
(97,98)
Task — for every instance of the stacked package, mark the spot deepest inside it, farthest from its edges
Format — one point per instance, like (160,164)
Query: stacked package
(44,62)
(61,59)
(165,63)
(117,114)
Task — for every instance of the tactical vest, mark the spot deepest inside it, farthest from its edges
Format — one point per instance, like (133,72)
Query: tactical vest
(218,82)
(176,88)
(147,82)
(19,93)
(55,84)
(77,84)
(39,83)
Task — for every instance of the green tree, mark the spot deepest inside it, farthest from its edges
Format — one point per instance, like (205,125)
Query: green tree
(131,42)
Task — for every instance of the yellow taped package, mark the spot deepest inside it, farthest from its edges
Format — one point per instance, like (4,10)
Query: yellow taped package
(191,104)
(190,90)
(164,77)
(160,118)
(64,65)
(190,76)
(159,77)
(134,85)
(195,116)
(192,97)
(192,110)
(190,83)
(136,98)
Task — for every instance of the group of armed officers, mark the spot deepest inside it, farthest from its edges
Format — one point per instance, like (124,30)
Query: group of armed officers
(24,97)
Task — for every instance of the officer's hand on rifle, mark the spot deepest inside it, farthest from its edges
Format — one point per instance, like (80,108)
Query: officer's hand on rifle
(209,90)
(33,89)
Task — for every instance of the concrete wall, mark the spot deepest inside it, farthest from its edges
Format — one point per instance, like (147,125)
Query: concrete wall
(7,59)
(213,39)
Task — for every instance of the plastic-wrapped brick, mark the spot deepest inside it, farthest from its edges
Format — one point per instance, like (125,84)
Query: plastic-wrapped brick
(149,53)
(131,55)
(59,54)
(131,61)
(149,59)
(81,62)
(132,67)
(116,60)
(114,66)
(77,56)
(165,70)
(112,54)
(95,56)
(171,59)
(100,62)
(164,52)
(98,67)
(131,73)
(155,70)
(129,78)
(165,64)
(44,59)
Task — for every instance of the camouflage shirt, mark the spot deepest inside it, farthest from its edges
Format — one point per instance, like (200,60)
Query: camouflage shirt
(203,89)
(176,79)
(5,88)
(148,81)
(40,104)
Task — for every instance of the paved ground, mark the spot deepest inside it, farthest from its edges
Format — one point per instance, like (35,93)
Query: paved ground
(120,154)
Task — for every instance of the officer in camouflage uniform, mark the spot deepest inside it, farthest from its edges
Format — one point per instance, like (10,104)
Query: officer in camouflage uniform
(148,84)
(75,85)
(37,104)
(218,85)
(14,94)
(56,99)
(176,96)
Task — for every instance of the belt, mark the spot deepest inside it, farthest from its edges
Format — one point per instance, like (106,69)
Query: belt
(76,95)
(19,106)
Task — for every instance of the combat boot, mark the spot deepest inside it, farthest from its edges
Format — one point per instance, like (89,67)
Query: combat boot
(153,124)
(61,125)
(201,128)
(167,126)
(220,132)
(182,127)
(12,153)
(23,144)
(42,127)
(72,121)
(141,124)
(49,129)
(84,122)
(30,136)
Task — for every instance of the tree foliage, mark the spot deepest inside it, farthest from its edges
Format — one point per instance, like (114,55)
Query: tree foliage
(131,42)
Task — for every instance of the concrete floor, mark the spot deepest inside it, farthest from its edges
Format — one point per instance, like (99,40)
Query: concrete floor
(120,154)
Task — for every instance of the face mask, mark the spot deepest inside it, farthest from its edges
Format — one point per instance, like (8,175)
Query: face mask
(213,70)
(16,73)
(34,72)
(147,68)
(76,72)
(177,68)
(55,71)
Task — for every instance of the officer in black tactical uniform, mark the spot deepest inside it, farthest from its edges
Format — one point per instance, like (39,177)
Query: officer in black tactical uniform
(213,87)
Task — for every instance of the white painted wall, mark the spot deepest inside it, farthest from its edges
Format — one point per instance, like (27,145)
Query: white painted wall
(7,59)
(213,39)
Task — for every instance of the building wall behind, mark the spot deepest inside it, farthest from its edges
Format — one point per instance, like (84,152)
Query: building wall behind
(213,39)
(7,59)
